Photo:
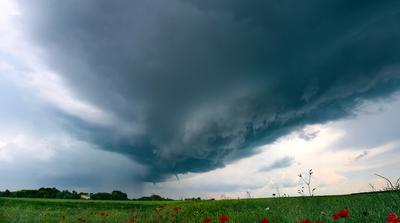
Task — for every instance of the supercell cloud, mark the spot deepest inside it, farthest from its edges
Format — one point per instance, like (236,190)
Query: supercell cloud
(190,86)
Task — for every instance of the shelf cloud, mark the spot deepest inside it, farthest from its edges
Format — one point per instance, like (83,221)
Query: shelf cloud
(190,86)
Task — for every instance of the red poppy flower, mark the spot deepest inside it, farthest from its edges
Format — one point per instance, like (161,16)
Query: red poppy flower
(392,218)
(341,214)
(207,220)
(344,213)
(176,209)
(104,215)
(264,220)
(223,218)
(309,221)
(305,221)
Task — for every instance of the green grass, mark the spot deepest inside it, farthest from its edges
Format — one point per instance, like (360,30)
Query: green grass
(371,208)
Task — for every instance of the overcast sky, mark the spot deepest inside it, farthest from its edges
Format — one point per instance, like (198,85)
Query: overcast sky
(199,98)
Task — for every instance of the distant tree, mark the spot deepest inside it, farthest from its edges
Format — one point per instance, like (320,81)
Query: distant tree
(65,194)
(102,196)
(118,195)
(46,193)
(154,197)
(193,199)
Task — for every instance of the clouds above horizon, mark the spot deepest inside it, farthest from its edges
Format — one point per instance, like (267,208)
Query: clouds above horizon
(32,160)
(337,170)
(284,162)
(227,96)
(190,86)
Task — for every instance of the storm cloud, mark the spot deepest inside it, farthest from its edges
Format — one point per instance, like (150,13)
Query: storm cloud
(190,86)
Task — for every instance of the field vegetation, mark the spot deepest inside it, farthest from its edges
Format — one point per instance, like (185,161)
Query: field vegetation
(367,207)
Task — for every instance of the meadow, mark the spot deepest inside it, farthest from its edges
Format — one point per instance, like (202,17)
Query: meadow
(369,207)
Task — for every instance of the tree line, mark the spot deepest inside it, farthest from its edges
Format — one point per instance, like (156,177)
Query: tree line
(65,194)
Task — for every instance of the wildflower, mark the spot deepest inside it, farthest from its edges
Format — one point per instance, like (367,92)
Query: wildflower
(305,221)
(341,214)
(392,218)
(309,221)
(223,218)
(207,220)
(344,213)
(264,220)
(177,209)
(104,215)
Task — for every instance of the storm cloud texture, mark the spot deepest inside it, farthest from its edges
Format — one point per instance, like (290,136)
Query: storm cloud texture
(190,86)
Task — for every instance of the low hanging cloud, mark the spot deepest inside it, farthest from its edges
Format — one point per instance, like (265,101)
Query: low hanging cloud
(362,155)
(193,85)
(279,164)
(307,134)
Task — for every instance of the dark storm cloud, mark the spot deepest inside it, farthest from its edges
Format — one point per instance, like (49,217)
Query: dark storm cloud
(218,188)
(202,83)
(279,164)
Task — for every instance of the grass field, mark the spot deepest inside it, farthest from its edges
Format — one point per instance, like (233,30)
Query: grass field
(371,208)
